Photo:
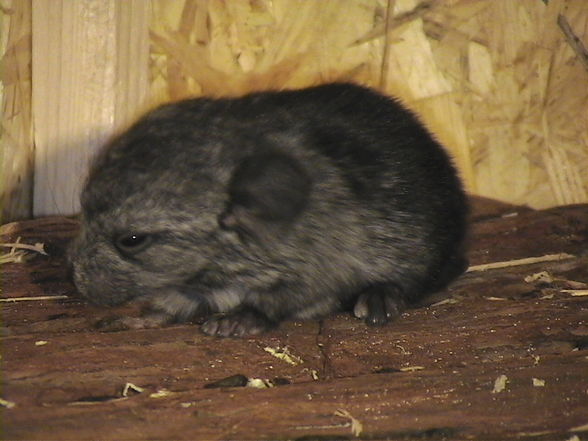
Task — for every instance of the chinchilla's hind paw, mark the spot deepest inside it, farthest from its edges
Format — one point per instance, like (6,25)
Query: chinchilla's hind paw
(379,304)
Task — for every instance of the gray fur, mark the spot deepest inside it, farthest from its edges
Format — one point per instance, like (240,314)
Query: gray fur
(269,207)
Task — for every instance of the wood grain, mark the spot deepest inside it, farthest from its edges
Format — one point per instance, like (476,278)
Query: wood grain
(429,375)
(499,82)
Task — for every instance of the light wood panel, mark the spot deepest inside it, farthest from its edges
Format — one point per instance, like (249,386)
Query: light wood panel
(90,76)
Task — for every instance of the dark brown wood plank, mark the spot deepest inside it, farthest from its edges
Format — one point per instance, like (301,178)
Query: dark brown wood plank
(429,375)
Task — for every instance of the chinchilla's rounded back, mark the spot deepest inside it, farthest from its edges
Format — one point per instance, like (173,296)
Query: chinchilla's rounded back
(271,206)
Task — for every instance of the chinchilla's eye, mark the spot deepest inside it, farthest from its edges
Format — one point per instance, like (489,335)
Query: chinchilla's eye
(133,243)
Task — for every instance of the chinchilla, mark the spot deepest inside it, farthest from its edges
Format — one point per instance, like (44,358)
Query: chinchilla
(273,206)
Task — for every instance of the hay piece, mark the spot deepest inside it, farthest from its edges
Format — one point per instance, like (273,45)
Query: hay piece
(18,251)
(576,292)
(541,277)
(131,387)
(520,262)
(31,299)
(7,404)
(500,384)
(161,393)
(284,354)
(582,428)
(356,425)
(412,368)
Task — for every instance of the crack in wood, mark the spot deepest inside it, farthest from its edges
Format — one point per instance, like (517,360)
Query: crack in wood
(327,371)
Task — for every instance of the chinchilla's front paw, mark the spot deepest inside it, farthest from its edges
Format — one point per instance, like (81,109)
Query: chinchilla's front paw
(241,323)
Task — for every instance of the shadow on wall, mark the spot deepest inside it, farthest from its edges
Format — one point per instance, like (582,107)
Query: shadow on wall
(61,170)
(17,192)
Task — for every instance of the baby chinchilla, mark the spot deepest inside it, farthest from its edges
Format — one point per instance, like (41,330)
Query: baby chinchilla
(272,206)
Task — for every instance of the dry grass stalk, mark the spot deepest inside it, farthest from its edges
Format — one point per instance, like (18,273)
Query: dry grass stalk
(356,425)
(18,251)
(31,299)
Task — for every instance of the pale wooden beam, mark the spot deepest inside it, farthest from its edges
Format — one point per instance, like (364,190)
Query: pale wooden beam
(90,63)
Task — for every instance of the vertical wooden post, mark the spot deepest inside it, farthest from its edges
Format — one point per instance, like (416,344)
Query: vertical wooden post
(16,136)
(90,64)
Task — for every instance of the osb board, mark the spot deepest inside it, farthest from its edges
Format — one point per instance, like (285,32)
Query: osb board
(498,81)
(430,375)
(16,135)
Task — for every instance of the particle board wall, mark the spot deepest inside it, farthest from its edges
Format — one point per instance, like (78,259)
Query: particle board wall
(16,134)
(499,82)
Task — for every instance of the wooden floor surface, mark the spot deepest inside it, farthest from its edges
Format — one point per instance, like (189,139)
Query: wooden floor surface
(502,355)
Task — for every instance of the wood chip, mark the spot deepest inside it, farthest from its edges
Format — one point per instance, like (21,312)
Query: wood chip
(500,384)
(576,292)
(19,251)
(7,404)
(356,425)
(284,355)
(450,301)
(538,383)
(259,383)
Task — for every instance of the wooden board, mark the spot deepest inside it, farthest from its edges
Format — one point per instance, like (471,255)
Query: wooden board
(501,83)
(433,374)
(89,80)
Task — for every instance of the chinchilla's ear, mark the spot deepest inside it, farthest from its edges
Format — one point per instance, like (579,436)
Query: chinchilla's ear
(266,188)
